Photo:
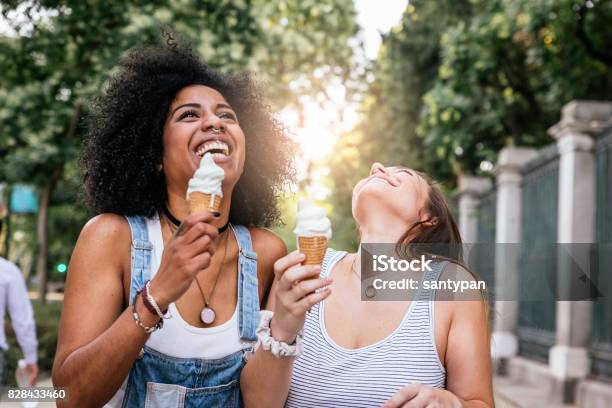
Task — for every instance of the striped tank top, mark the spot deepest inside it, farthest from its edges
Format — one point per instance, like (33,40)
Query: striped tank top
(328,375)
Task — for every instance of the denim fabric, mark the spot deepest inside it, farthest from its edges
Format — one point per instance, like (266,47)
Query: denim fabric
(157,380)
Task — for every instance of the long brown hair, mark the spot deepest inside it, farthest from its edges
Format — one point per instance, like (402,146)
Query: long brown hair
(438,235)
(439,229)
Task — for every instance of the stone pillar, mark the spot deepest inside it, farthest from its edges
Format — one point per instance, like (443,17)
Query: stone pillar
(508,173)
(569,357)
(470,190)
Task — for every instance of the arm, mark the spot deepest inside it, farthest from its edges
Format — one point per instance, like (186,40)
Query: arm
(468,352)
(22,319)
(251,374)
(467,359)
(265,379)
(98,340)
(269,247)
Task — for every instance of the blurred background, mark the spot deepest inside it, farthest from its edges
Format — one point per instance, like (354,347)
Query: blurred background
(441,86)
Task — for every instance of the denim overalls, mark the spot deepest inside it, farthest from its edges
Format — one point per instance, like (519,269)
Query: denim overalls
(158,380)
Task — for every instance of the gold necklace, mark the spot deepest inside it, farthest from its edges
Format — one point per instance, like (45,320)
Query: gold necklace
(208,315)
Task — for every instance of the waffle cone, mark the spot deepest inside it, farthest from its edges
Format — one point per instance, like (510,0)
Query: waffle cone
(314,248)
(204,202)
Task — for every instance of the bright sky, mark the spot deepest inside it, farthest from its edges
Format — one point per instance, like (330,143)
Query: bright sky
(376,16)
(322,125)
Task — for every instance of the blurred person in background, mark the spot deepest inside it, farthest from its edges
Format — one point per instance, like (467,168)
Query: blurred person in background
(14,298)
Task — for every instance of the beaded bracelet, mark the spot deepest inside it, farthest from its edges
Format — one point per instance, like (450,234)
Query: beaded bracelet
(147,329)
(277,348)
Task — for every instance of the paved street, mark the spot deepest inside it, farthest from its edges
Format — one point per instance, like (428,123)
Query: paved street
(511,395)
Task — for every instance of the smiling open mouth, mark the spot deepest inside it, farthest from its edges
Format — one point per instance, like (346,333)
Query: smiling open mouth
(214,147)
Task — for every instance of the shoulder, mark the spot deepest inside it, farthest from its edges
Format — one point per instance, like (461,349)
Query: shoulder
(106,226)
(103,234)
(269,248)
(101,257)
(453,270)
(467,298)
(267,245)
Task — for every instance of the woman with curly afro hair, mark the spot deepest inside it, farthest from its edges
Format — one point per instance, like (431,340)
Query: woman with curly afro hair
(161,306)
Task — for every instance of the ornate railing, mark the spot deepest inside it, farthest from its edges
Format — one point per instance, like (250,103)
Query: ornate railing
(601,348)
(536,323)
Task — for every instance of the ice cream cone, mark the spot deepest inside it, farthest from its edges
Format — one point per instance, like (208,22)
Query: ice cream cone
(204,189)
(313,248)
(204,202)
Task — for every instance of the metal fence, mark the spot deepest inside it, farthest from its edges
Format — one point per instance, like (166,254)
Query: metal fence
(601,348)
(536,322)
(485,260)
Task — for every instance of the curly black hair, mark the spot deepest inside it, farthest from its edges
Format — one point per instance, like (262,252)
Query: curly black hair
(124,145)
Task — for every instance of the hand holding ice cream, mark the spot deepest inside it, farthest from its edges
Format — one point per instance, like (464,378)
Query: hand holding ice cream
(293,300)
(204,189)
(313,230)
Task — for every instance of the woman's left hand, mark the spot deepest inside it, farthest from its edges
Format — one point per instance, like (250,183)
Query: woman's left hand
(423,396)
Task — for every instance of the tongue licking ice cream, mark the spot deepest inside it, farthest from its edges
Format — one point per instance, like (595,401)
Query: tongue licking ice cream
(204,189)
(313,230)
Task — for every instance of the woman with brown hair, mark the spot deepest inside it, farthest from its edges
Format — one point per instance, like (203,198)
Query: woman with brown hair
(414,353)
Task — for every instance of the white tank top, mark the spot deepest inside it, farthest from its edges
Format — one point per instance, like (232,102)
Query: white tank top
(178,338)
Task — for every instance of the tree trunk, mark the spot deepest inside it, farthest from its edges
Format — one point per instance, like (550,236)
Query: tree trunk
(42,271)
(43,213)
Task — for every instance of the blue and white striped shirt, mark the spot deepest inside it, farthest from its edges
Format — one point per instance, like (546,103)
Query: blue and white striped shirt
(328,375)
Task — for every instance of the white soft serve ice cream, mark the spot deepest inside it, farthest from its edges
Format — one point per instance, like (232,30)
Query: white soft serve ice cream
(311,221)
(207,178)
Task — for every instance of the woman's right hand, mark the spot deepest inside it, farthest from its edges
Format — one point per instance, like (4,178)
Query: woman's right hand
(187,253)
(296,294)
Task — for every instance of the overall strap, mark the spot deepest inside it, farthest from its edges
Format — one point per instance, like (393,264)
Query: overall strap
(248,295)
(141,254)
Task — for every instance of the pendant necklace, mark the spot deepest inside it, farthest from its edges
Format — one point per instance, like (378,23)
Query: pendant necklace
(208,315)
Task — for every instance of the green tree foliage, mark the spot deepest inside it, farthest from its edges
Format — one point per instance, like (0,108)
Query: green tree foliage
(405,69)
(60,53)
(456,81)
(305,46)
(505,75)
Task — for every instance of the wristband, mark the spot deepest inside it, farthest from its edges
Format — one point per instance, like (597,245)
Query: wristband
(145,301)
(147,329)
(153,303)
(269,343)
